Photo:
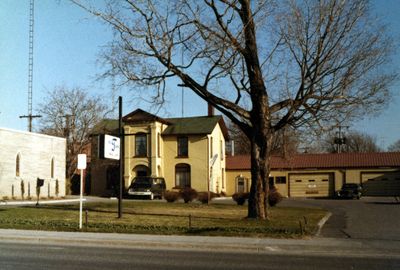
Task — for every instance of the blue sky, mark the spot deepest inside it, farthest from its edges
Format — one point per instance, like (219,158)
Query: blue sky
(67,43)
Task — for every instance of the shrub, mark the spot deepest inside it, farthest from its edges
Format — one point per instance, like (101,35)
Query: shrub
(274,197)
(188,194)
(171,196)
(203,196)
(240,198)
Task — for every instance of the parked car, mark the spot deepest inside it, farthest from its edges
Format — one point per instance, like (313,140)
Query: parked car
(146,186)
(350,191)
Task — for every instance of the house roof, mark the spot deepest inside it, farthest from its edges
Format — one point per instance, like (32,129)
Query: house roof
(195,125)
(176,126)
(105,126)
(139,116)
(321,161)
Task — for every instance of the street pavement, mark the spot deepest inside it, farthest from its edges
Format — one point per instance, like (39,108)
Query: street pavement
(371,218)
(312,246)
(24,256)
(358,231)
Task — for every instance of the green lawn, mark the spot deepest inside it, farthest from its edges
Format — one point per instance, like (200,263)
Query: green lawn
(165,218)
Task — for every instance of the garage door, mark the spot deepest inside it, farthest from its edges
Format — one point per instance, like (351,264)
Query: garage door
(381,184)
(310,185)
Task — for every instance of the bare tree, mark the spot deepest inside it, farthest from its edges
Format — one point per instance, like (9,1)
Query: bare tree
(70,113)
(283,63)
(285,142)
(395,147)
(354,142)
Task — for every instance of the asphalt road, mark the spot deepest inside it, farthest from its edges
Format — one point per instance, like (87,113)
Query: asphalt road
(18,256)
(371,218)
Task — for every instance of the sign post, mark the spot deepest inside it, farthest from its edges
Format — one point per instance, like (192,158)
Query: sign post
(81,166)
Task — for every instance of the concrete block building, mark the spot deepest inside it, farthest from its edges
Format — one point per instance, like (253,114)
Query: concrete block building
(26,156)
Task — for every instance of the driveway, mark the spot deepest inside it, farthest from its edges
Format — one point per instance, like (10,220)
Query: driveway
(371,218)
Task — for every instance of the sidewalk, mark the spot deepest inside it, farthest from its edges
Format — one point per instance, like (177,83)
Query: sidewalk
(314,246)
(33,202)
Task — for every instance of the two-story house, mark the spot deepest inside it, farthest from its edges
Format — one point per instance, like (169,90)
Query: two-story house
(187,151)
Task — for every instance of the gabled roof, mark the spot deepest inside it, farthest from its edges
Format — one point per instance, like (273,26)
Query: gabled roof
(321,161)
(105,126)
(176,126)
(195,125)
(139,116)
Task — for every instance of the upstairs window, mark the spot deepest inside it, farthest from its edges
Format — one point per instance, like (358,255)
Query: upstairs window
(211,147)
(141,145)
(183,147)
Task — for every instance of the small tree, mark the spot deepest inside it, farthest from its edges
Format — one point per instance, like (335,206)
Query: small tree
(71,113)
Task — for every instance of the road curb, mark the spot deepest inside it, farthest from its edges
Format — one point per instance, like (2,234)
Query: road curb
(322,222)
(310,247)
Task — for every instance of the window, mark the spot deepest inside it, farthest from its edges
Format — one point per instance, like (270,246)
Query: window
(18,165)
(240,184)
(183,147)
(158,145)
(270,182)
(223,178)
(221,149)
(52,168)
(312,180)
(182,175)
(141,145)
(280,180)
(211,147)
(298,181)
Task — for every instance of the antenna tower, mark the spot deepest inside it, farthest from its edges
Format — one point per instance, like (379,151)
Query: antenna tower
(30,67)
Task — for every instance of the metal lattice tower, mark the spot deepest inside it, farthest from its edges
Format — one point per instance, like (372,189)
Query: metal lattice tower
(30,66)
(30,70)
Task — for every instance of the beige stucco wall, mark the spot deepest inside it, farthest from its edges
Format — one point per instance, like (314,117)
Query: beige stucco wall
(340,176)
(154,160)
(231,176)
(36,152)
(218,175)
(197,160)
(162,161)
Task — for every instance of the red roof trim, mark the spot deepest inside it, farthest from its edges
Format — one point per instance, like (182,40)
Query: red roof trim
(321,161)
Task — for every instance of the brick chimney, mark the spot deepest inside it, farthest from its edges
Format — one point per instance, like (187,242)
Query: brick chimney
(210,109)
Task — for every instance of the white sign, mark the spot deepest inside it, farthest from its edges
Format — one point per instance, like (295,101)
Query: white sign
(111,147)
(82,161)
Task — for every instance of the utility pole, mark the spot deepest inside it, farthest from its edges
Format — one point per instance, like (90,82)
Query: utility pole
(30,68)
(121,157)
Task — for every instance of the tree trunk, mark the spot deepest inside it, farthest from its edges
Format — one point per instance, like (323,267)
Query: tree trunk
(258,206)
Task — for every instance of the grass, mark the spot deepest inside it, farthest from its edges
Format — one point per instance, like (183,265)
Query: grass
(165,218)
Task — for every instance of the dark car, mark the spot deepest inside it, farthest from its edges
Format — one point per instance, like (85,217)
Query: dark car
(350,191)
(146,186)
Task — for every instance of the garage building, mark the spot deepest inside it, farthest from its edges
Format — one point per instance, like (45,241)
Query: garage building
(320,175)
